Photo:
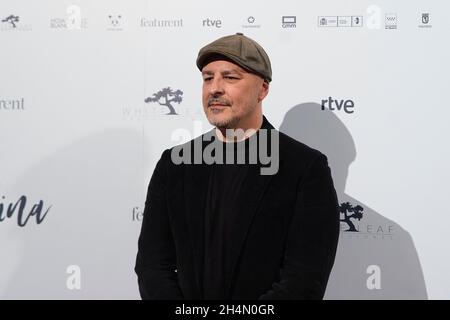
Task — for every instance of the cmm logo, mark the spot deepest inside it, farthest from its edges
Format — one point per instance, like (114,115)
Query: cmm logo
(167,97)
(289,21)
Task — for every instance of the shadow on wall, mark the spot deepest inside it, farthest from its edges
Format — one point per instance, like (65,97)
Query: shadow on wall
(93,185)
(376,258)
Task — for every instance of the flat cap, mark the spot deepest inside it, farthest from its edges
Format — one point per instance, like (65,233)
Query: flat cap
(241,50)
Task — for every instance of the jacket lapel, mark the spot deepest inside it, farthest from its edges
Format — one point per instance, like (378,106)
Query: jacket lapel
(195,189)
(254,188)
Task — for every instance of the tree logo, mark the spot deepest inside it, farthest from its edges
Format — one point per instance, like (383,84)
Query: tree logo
(12,19)
(350,212)
(166,97)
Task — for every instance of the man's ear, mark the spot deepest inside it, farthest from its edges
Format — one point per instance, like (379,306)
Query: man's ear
(264,91)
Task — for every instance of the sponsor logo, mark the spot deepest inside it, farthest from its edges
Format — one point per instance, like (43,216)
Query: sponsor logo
(137,214)
(338,105)
(167,97)
(357,21)
(340,21)
(12,104)
(13,22)
(425,21)
(251,23)
(353,224)
(289,22)
(12,19)
(114,22)
(159,23)
(390,21)
(212,23)
(72,21)
(20,211)
(344,21)
(166,101)
(328,21)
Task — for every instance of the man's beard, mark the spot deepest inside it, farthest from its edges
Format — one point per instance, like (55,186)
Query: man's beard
(227,123)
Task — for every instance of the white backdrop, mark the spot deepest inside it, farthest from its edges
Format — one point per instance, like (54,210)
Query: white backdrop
(77,134)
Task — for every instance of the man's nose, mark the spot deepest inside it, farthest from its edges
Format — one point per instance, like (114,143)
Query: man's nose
(216,88)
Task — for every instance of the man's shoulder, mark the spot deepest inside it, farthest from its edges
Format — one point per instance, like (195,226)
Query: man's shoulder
(198,142)
(289,147)
(295,150)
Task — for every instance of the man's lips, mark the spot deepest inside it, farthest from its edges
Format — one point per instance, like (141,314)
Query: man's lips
(218,106)
(218,103)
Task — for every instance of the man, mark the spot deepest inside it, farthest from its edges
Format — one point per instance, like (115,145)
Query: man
(226,230)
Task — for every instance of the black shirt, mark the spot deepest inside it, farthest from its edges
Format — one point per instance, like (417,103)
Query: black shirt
(221,215)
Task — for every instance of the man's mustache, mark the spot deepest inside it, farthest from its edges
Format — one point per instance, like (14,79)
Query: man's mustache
(221,101)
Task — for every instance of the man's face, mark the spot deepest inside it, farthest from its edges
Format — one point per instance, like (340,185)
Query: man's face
(231,95)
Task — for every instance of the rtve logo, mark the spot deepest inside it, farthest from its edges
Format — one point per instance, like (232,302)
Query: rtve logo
(335,104)
(212,23)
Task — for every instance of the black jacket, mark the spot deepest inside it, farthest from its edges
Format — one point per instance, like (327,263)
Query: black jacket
(285,243)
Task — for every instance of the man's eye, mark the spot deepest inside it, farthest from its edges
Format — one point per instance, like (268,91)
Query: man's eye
(231,77)
(207,79)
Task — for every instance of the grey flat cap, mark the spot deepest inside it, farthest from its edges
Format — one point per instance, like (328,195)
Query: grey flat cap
(241,50)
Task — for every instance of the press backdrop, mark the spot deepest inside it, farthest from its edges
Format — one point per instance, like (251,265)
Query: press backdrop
(85,92)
